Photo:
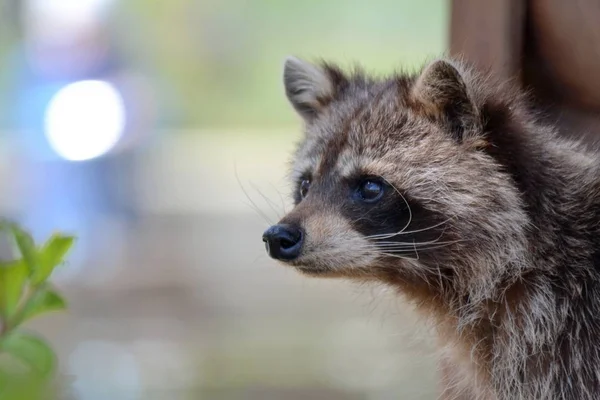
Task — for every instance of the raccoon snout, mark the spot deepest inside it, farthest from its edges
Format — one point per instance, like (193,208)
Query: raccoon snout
(283,241)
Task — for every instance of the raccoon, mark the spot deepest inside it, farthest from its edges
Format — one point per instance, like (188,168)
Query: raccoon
(445,185)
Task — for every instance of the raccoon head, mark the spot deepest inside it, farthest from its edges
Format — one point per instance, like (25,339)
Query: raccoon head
(395,180)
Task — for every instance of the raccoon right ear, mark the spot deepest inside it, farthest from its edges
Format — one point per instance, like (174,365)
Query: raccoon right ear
(441,93)
(310,88)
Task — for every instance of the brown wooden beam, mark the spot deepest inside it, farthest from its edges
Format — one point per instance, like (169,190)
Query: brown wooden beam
(489,33)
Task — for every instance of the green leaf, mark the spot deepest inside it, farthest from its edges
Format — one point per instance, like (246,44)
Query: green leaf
(32,351)
(26,247)
(43,301)
(51,255)
(12,280)
(25,388)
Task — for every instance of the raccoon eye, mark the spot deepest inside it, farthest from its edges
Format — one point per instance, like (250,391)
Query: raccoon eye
(304,186)
(370,190)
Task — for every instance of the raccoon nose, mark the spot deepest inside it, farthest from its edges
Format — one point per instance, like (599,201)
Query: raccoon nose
(283,242)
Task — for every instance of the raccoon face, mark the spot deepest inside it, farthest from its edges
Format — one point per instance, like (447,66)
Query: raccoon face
(393,178)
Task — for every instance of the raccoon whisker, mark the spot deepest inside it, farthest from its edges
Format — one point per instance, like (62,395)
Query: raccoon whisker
(393,255)
(252,204)
(258,212)
(410,215)
(432,241)
(410,248)
(415,244)
(361,217)
(412,251)
(404,244)
(392,246)
(390,235)
(269,202)
(415,247)
(381,243)
(385,242)
(280,198)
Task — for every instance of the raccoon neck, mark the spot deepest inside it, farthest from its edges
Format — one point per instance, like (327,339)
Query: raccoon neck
(542,318)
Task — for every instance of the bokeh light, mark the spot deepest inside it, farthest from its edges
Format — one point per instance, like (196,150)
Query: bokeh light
(84,120)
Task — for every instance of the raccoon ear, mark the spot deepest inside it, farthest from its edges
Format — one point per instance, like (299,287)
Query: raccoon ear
(310,88)
(440,93)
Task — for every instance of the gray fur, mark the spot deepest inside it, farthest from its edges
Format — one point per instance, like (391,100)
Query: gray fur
(515,295)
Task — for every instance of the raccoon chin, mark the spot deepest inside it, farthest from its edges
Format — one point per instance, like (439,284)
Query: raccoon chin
(315,269)
(312,271)
(321,272)
(308,268)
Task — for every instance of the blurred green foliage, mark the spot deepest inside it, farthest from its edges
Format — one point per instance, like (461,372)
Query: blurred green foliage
(27,362)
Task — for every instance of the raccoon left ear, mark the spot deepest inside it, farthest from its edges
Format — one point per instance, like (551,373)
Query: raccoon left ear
(440,93)
(310,88)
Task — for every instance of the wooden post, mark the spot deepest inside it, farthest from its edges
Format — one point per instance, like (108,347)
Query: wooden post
(489,34)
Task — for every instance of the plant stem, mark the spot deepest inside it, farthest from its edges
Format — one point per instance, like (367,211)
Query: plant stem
(8,325)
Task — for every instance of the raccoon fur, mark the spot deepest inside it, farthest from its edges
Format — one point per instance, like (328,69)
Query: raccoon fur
(445,186)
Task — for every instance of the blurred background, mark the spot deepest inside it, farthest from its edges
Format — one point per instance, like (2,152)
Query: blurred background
(158,132)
